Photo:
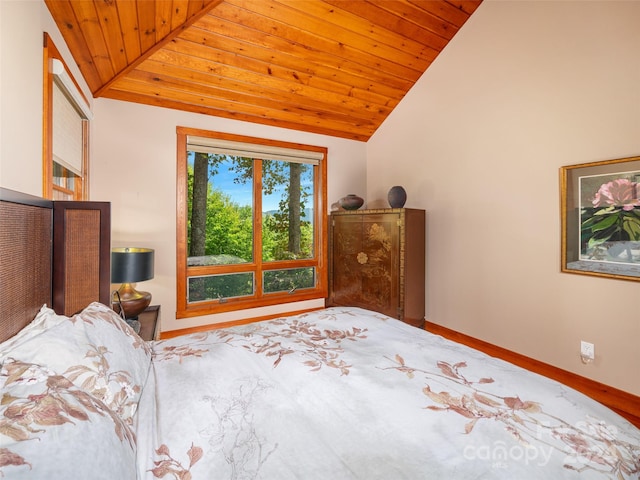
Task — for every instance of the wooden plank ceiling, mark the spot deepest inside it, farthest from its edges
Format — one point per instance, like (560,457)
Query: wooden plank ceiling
(335,67)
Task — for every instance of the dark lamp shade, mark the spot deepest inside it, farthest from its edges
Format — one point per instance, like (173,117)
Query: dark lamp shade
(131,264)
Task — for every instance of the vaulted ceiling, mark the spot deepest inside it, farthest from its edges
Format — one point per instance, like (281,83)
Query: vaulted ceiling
(335,67)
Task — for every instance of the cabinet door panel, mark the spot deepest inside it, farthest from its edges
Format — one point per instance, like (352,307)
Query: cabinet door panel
(366,262)
(380,263)
(347,273)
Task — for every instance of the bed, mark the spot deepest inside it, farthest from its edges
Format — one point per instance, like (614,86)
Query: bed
(340,393)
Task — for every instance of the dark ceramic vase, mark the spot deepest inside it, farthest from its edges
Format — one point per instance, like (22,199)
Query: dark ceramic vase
(397,197)
(351,202)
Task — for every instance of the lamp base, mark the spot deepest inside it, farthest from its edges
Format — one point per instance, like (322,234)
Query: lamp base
(133,302)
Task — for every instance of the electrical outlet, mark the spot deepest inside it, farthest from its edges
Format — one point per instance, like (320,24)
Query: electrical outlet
(587,352)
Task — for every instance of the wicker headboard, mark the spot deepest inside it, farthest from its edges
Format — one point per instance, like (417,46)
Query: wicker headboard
(51,252)
(26,225)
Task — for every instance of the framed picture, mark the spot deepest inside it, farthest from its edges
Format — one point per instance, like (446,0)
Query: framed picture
(600,214)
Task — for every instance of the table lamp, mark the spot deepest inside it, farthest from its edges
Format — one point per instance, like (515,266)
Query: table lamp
(130,265)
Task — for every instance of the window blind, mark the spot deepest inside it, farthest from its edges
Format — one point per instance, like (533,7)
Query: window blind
(252,150)
(69,87)
(67,132)
(70,110)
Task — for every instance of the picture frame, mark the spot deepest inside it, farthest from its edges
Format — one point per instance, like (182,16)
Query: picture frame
(600,215)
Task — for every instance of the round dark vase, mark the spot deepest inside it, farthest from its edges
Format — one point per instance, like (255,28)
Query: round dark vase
(397,197)
(351,202)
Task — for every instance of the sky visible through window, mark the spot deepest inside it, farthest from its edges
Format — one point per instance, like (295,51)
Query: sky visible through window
(241,193)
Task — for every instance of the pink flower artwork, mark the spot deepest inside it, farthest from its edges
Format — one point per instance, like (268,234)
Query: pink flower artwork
(618,193)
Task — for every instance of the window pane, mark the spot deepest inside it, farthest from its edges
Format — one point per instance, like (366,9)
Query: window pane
(219,286)
(287,210)
(220,209)
(63,177)
(289,279)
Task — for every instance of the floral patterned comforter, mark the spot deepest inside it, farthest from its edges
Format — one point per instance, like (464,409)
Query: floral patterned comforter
(344,393)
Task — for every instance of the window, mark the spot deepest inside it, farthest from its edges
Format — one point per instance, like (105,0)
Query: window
(251,222)
(66,131)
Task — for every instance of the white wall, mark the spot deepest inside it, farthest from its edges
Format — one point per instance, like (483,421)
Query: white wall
(22,24)
(133,165)
(523,89)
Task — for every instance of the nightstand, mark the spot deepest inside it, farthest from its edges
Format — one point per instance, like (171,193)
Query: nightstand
(150,323)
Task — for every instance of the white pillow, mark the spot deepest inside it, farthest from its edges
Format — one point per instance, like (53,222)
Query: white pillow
(44,319)
(49,428)
(97,351)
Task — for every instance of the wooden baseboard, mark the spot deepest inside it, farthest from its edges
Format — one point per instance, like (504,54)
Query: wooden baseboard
(621,402)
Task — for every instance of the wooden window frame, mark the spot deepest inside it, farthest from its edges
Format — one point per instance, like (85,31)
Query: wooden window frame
(81,183)
(259,299)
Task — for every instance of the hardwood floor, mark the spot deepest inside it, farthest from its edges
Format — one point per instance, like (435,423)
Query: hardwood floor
(621,402)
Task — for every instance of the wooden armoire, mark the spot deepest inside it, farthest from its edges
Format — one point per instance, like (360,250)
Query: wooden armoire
(377,261)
